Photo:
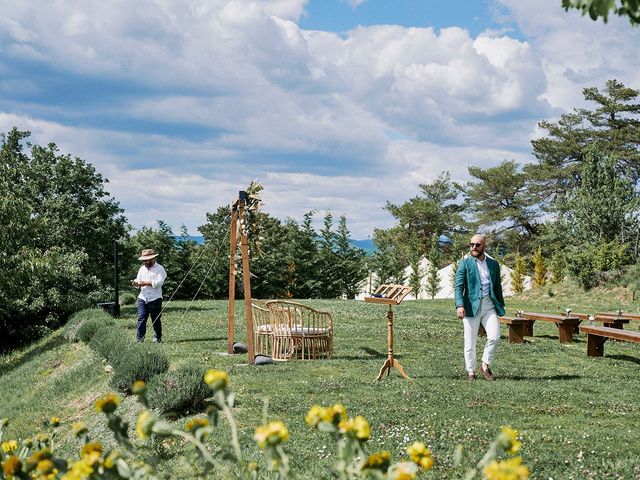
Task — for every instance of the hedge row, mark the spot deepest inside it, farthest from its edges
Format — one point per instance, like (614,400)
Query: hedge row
(177,392)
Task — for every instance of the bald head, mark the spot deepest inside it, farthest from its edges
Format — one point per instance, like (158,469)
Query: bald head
(477,244)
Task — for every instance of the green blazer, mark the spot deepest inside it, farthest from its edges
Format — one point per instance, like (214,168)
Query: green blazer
(468,291)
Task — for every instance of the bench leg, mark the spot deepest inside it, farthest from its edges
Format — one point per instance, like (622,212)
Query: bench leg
(516,333)
(565,331)
(528,330)
(595,345)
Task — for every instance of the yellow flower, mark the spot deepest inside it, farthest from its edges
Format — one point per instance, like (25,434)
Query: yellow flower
(510,469)
(196,423)
(90,448)
(45,466)
(403,471)
(315,415)
(216,379)
(139,387)
(357,427)
(377,461)
(335,414)
(4,422)
(110,461)
(54,421)
(361,428)
(508,440)
(144,424)
(420,455)
(9,446)
(11,466)
(91,453)
(37,457)
(108,403)
(78,471)
(78,428)
(272,434)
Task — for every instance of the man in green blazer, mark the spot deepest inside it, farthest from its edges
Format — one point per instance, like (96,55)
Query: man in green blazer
(478,295)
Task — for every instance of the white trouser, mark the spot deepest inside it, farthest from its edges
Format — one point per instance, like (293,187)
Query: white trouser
(489,319)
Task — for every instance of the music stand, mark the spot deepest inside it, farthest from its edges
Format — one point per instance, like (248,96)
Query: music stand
(389,294)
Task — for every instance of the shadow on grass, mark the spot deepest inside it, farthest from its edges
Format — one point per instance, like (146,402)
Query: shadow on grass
(625,358)
(369,351)
(517,378)
(50,344)
(197,339)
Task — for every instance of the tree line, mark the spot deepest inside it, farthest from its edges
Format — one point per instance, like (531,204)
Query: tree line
(576,203)
(59,229)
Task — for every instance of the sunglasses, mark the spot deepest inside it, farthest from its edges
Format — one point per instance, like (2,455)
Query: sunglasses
(475,245)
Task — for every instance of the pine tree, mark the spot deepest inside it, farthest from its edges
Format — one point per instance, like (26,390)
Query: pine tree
(518,273)
(351,261)
(433,280)
(539,269)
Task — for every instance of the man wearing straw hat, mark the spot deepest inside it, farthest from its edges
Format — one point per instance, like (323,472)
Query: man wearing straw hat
(150,278)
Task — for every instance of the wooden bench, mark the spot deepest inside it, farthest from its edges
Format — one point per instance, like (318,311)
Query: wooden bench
(566,324)
(625,315)
(518,328)
(611,321)
(596,336)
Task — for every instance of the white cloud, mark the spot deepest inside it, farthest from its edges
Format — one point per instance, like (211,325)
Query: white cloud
(210,95)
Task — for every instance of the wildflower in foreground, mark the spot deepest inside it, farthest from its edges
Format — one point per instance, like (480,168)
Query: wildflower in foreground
(54,421)
(79,428)
(9,446)
(144,424)
(357,427)
(377,461)
(45,467)
(510,469)
(403,471)
(139,388)
(508,440)
(11,466)
(108,403)
(272,434)
(420,455)
(78,471)
(196,423)
(37,457)
(315,415)
(91,453)
(216,379)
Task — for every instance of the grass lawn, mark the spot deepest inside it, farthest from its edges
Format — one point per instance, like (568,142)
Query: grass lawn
(578,416)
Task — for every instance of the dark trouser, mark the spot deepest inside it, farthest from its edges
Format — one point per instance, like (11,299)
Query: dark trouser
(145,310)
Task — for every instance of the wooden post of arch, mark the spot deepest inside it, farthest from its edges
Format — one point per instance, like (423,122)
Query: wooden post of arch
(237,212)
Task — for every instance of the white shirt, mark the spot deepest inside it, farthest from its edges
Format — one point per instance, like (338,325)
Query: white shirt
(485,279)
(156,275)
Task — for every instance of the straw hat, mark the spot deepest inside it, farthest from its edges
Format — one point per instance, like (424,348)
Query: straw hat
(148,254)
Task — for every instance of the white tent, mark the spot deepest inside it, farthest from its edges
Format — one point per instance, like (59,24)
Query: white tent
(446,282)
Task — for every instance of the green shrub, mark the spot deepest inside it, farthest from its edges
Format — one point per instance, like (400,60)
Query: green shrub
(127,298)
(88,328)
(589,262)
(181,391)
(137,362)
(109,343)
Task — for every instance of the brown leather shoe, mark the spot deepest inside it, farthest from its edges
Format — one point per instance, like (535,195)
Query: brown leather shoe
(487,373)
(471,376)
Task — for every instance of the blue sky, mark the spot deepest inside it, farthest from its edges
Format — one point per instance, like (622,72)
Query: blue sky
(334,105)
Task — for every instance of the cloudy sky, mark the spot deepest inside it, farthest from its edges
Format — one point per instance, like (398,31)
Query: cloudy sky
(337,105)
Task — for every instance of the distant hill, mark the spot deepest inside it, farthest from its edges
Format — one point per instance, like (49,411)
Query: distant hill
(366,245)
